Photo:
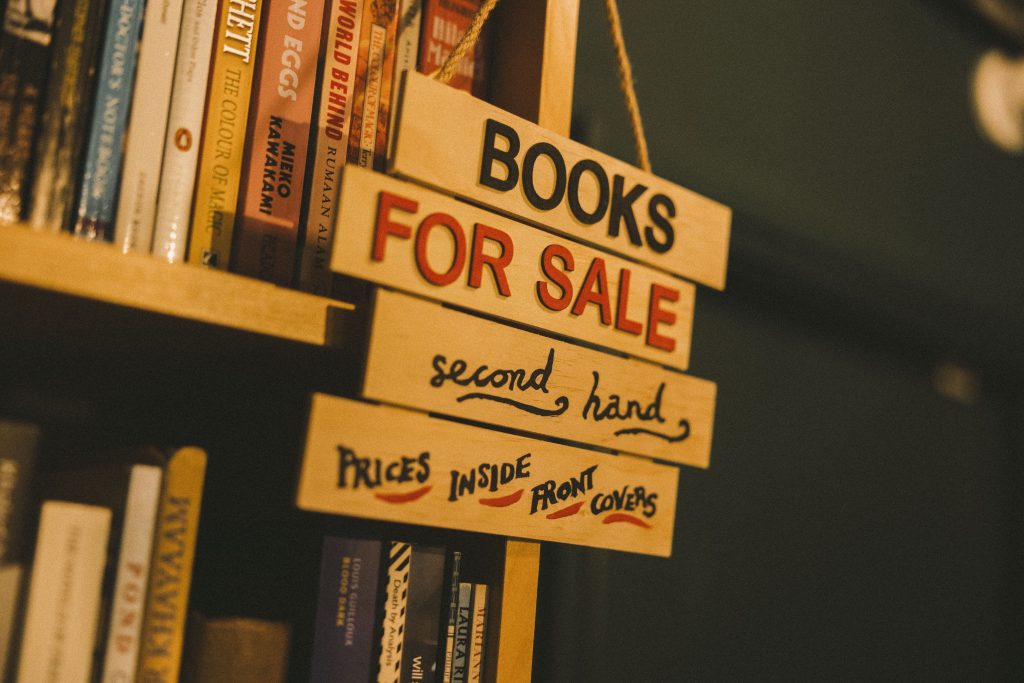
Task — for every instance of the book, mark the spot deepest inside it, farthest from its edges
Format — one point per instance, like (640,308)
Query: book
(63,130)
(346,610)
(25,42)
(329,142)
(224,129)
(407,43)
(478,634)
(367,145)
(444,24)
(147,127)
(423,615)
(236,649)
(170,576)
(103,155)
(463,628)
(18,444)
(274,172)
(184,127)
(64,593)
(131,490)
(453,614)
(393,623)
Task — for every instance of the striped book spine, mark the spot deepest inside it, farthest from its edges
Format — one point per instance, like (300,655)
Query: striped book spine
(184,127)
(147,128)
(396,597)
(334,115)
(97,198)
(374,73)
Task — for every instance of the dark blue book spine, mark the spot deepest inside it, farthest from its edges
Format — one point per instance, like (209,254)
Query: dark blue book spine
(101,173)
(343,641)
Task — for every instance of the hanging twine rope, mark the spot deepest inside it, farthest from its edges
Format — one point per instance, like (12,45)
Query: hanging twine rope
(466,43)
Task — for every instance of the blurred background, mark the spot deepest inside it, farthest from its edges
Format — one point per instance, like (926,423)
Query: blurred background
(862,515)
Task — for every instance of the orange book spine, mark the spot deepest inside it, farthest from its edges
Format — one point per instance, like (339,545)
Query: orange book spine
(375,69)
(273,175)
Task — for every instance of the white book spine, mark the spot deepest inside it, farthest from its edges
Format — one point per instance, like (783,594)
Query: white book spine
(10,588)
(475,669)
(64,594)
(396,594)
(334,121)
(132,577)
(184,128)
(147,128)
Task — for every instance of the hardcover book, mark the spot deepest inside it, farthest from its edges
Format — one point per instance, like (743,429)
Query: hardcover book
(64,593)
(423,615)
(226,123)
(478,634)
(396,590)
(101,173)
(184,127)
(343,641)
(367,145)
(236,649)
(444,24)
(69,97)
(24,52)
(330,141)
(147,128)
(274,172)
(463,629)
(452,615)
(407,45)
(170,576)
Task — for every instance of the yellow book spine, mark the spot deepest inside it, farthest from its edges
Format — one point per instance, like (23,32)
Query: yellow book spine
(224,132)
(170,578)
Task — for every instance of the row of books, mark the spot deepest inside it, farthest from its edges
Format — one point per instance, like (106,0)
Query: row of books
(212,132)
(398,616)
(105,594)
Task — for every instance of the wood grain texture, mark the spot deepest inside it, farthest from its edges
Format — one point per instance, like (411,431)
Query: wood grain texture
(397,465)
(59,263)
(513,378)
(365,195)
(440,142)
(518,612)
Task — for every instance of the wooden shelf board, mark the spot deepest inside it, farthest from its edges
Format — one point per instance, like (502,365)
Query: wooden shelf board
(60,263)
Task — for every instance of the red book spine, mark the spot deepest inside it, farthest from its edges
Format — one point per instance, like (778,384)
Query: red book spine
(274,172)
(375,69)
(444,23)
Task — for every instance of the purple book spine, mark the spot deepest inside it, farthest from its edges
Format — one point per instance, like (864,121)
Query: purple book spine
(344,635)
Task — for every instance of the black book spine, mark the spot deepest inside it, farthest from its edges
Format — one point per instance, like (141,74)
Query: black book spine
(18,443)
(422,627)
(453,613)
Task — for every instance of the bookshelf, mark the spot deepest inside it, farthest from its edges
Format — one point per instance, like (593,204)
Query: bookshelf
(61,299)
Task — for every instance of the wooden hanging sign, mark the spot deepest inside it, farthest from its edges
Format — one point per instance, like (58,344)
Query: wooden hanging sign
(459,144)
(444,361)
(396,465)
(408,237)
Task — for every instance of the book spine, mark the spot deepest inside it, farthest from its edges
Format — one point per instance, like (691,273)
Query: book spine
(18,442)
(463,627)
(65,115)
(406,52)
(147,128)
(444,23)
(133,562)
(101,172)
(478,634)
(423,614)
(64,593)
(170,576)
(223,146)
(184,127)
(330,140)
(453,615)
(24,54)
(396,593)
(374,72)
(274,174)
(345,614)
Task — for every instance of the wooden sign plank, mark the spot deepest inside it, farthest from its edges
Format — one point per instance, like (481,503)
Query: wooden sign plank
(443,361)
(405,236)
(457,143)
(396,465)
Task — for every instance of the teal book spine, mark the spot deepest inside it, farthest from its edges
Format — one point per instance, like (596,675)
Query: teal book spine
(101,172)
